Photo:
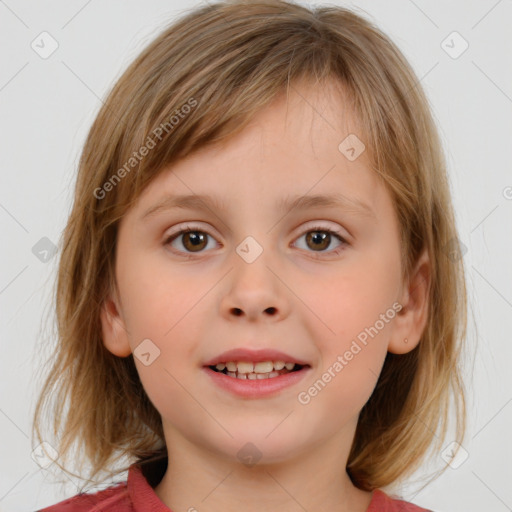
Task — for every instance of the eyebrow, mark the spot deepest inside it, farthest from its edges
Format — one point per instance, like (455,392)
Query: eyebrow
(209,203)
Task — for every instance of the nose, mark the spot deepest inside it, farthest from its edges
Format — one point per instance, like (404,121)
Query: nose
(255,292)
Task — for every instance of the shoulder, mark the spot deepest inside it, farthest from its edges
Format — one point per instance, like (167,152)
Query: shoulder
(136,493)
(113,498)
(382,502)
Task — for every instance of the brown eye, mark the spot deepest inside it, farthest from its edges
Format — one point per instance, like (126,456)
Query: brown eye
(318,240)
(188,241)
(194,240)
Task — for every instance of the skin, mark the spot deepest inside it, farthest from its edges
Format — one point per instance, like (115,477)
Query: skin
(188,308)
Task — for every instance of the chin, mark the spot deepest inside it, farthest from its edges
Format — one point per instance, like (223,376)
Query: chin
(255,446)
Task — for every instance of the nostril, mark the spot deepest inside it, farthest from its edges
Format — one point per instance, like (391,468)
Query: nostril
(271,310)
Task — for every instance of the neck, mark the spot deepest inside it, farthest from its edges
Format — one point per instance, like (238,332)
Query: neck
(314,481)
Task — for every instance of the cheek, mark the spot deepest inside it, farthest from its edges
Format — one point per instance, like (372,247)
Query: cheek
(351,363)
(344,392)
(352,298)
(355,308)
(167,315)
(170,321)
(157,300)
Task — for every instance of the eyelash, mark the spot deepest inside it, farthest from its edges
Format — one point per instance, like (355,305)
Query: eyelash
(322,229)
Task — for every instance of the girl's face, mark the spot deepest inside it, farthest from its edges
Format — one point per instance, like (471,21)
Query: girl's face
(259,274)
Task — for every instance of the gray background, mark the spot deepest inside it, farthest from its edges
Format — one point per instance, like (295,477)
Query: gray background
(47,106)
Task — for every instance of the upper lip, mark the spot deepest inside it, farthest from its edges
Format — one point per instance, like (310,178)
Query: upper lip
(254,356)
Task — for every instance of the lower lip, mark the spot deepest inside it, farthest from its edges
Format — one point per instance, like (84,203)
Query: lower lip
(256,388)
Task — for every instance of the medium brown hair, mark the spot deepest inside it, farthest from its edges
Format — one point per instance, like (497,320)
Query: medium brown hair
(230,60)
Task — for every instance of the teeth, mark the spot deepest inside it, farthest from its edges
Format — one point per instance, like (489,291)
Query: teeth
(270,375)
(244,367)
(248,367)
(246,370)
(255,376)
(264,367)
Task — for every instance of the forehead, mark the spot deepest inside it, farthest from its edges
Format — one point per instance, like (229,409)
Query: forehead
(294,147)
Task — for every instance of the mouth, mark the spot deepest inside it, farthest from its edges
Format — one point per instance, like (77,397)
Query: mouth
(252,374)
(260,370)
(255,380)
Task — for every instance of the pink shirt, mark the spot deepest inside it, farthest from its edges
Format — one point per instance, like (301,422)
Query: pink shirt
(137,495)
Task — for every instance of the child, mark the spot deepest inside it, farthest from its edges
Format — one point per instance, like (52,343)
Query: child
(262,198)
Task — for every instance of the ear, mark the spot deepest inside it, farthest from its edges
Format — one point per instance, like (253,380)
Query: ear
(115,335)
(412,318)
